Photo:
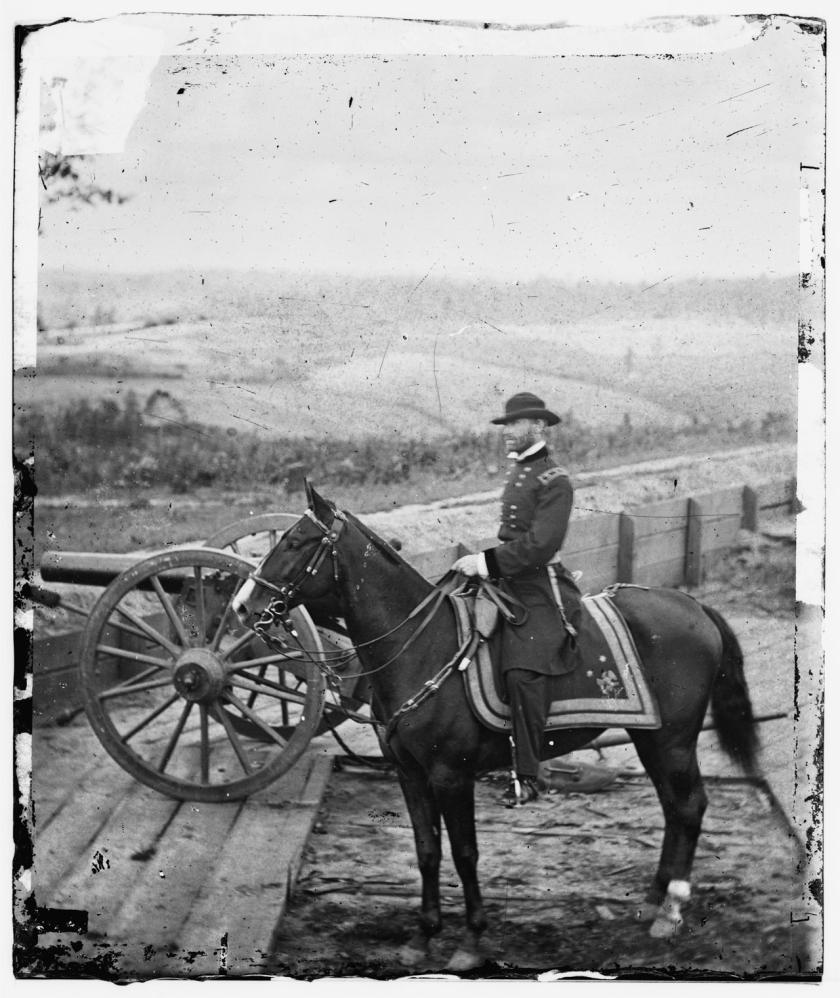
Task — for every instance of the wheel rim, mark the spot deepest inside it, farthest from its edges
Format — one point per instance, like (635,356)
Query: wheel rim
(185,699)
(253,537)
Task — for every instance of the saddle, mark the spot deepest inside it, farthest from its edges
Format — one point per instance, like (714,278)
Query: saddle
(612,691)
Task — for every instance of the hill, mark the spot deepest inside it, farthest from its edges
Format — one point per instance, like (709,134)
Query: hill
(295,355)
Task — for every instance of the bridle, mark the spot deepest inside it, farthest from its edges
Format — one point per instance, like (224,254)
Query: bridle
(278,609)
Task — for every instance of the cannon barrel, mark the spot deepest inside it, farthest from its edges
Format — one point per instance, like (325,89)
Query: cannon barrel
(86,568)
(83,568)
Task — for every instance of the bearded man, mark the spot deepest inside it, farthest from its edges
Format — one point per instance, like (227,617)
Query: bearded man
(536,506)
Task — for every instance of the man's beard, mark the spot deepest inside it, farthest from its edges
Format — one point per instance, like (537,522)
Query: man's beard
(522,442)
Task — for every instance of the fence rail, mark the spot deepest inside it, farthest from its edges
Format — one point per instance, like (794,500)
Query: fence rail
(666,543)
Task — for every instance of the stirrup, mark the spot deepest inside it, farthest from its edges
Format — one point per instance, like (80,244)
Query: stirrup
(520,792)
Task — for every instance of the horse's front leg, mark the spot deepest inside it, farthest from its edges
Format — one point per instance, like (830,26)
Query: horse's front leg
(425,820)
(456,798)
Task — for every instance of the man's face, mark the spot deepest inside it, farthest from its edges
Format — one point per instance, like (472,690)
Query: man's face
(522,434)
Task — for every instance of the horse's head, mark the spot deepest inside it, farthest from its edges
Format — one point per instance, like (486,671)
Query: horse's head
(300,568)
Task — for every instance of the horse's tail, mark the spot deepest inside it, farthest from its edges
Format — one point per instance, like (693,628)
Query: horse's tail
(731,707)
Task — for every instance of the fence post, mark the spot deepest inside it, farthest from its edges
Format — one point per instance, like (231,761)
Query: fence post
(749,514)
(694,544)
(626,547)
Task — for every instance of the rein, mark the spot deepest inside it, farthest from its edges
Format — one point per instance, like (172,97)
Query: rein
(278,611)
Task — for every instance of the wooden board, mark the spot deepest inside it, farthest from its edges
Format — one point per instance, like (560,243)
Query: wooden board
(659,517)
(655,548)
(729,502)
(772,494)
(592,532)
(168,886)
(720,532)
(263,854)
(595,565)
(662,573)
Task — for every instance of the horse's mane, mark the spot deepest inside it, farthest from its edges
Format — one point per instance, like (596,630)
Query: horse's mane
(382,546)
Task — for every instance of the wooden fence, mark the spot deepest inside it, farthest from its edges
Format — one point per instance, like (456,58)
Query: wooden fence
(668,543)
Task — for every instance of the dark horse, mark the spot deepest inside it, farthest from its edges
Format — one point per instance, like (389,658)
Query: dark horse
(689,655)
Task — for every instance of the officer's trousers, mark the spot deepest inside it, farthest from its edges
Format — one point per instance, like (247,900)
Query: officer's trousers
(528,696)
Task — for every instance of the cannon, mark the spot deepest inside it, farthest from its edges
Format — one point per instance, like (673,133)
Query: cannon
(178,692)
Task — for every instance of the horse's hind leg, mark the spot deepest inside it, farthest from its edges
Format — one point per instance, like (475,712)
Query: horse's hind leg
(679,785)
(425,820)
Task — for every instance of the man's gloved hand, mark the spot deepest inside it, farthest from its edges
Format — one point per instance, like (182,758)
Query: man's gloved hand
(471,564)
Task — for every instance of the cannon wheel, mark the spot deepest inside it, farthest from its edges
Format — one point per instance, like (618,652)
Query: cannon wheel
(167,674)
(253,537)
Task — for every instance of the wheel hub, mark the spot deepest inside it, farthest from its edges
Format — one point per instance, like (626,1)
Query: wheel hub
(199,676)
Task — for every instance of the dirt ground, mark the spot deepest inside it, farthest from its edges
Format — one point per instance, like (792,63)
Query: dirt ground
(563,880)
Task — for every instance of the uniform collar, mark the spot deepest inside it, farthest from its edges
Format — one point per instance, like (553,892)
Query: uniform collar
(532,453)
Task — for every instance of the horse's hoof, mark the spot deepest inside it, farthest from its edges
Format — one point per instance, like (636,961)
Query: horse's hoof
(411,955)
(665,928)
(669,920)
(464,959)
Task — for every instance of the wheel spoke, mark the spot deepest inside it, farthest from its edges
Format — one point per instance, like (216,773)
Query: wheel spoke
(150,632)
(169,609)
(205,745)
(176,734)
(147,720)
(233,738)
(200,604)
(267,688)
(238,644)
(254,718)
(273,659)
(253,695)
(217,637)
(141,677)
(132,656)
(127,629)
(121,691)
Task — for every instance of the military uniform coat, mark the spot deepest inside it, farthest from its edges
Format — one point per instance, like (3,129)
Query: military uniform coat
(536,506)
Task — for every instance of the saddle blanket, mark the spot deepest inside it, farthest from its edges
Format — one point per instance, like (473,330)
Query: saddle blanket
(607,689)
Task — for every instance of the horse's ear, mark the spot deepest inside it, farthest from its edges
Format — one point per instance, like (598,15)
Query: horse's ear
(310,493)
(322,508)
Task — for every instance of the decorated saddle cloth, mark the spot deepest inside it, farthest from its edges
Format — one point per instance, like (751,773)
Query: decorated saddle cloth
(607,689)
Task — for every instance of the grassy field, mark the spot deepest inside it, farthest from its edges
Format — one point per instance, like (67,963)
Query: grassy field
(316,358)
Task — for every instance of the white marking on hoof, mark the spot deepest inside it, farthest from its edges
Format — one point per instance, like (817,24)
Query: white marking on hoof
(669,920)
(463,959)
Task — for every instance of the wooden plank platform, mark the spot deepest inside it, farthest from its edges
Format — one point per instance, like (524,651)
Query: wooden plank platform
(170,888)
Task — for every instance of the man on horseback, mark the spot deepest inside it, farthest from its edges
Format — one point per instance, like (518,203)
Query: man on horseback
(536,506)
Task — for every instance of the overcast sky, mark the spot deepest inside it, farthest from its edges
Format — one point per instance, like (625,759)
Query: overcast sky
(573,166)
